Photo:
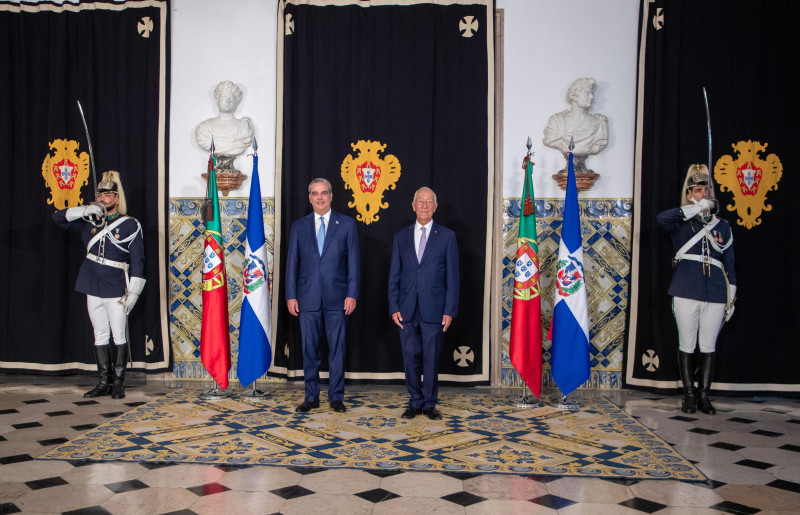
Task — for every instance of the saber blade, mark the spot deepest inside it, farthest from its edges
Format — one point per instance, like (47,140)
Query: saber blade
(711,191)
(91,152)
(708,124)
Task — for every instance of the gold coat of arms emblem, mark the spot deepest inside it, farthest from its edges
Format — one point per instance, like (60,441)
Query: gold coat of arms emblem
(749,178)
(65,172)
(369,176)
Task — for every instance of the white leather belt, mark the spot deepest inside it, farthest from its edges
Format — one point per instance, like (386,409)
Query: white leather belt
(703,259)
(108,262)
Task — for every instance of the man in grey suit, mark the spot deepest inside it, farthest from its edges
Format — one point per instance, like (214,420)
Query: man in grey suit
(322,279)
(423,300)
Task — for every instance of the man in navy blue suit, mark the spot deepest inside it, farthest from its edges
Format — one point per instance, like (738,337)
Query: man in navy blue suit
(322,278)
(423,299)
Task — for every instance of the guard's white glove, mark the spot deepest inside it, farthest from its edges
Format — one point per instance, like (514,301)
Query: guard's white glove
(74,213)
(690,211)
(95,210)
(706,204)
(132,295)
(729,307)
(696,208)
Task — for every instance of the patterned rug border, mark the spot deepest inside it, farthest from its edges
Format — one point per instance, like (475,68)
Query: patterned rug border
(480,433)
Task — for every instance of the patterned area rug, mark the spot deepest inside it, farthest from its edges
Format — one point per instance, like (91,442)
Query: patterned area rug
(479,433)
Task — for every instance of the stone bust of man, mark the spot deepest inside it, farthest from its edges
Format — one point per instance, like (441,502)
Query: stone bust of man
(231,135)
(589,130)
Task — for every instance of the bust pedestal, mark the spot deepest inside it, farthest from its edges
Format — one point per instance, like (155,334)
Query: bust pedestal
(228,177)
(584,177)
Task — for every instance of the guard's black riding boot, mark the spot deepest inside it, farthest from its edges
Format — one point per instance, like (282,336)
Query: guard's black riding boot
(103,355)
(120,362)
(686,369)
(113,350)
(707,360)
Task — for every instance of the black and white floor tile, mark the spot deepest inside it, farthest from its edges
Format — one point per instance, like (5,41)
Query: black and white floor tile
(750,451)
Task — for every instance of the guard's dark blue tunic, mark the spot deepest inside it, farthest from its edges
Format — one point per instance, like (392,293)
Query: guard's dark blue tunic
(103,280)
(692,279)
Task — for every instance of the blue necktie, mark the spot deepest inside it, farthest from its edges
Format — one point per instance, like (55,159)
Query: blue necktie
(321,234)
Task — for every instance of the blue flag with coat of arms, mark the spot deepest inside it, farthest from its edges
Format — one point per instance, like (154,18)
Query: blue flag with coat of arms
(569,330)
(255,353)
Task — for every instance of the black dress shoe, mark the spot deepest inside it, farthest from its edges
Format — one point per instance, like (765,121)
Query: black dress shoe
(307,405)
(432,413)
(338,407)
(410,412)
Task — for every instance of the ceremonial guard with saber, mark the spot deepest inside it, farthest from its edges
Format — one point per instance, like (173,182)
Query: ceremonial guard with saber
(703,286)
(111,276)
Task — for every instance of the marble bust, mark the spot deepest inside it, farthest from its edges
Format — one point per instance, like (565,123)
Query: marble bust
(231,135)
(589,131)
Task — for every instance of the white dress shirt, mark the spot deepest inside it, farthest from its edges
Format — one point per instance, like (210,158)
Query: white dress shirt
(327,217)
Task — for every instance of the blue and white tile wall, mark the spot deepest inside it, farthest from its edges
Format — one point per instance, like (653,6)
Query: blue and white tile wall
(185,276)
(606,232)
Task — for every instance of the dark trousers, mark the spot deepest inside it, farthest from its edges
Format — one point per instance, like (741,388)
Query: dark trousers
(312,323)
(422,346)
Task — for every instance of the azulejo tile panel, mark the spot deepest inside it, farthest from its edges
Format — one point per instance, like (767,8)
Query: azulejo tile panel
(185,275)
(606,231)
(606,235)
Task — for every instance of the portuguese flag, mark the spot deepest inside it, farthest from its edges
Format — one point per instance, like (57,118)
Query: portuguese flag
(215,339)
(525,346)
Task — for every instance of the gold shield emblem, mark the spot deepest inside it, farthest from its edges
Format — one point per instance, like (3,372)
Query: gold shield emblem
(64,172)
(369,176)
(749,178)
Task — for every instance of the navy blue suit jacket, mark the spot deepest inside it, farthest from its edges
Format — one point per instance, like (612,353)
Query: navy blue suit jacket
(432,284)
(323,282)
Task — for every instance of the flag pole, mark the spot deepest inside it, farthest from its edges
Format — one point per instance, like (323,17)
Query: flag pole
(527,400)
(216,393)
(247,336)
(254,394)
(566,402)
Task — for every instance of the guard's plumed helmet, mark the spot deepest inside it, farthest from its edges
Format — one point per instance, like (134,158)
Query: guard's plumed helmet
(110,182)
(696,175)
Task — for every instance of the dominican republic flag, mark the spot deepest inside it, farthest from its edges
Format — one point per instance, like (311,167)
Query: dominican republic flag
(215,337)
(255,353)
(525,344)
(569,331)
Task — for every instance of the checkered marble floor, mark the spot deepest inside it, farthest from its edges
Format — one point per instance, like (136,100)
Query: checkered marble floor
(750,451)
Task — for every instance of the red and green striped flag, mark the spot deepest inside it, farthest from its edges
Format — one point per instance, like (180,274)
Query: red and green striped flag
(525,346)
(215,339)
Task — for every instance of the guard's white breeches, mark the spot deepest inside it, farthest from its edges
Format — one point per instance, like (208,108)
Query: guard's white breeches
(107,316)
(697,321)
